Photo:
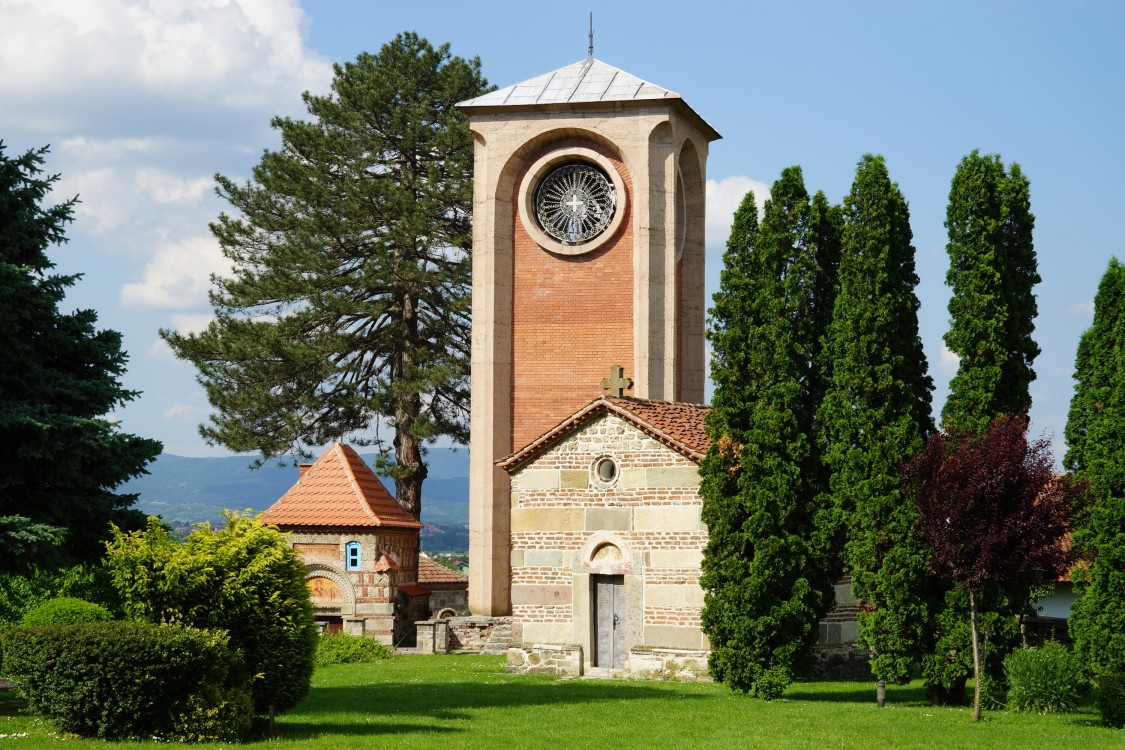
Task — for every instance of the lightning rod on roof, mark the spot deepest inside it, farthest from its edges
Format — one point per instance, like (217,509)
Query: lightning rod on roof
(590,51)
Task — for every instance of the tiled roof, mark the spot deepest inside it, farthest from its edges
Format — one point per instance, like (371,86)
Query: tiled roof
(339,490)
(682,427)
(430,572)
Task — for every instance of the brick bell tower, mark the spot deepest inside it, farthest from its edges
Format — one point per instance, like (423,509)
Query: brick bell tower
(588,252)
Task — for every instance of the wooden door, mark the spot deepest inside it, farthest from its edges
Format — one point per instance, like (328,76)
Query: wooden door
(609,621)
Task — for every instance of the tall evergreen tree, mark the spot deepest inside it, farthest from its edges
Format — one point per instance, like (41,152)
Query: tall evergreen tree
(875,416)
(60,377)
(1095,436)
(766,575)
(992,273)
(350,297)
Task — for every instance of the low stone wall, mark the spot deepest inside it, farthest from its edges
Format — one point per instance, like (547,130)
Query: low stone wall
(841,661)
(649,663)
(559,660)
(483,635)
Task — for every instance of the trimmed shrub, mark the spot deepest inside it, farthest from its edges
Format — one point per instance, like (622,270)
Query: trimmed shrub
(1047,679)
(117,680)
(340,648)
(66,611)
(1111,700)
(245,579)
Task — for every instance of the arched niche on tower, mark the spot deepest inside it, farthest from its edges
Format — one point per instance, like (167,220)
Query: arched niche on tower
(691,218)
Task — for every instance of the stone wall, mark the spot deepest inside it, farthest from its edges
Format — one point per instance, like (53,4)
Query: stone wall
(555,659)
(668,664)
(484,635)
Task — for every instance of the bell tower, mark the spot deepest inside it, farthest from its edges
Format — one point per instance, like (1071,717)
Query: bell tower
(588,252)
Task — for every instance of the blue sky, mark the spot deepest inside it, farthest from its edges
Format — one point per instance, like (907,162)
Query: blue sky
(144,101)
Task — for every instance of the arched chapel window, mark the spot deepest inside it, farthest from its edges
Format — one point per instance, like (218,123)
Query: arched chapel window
(351,556)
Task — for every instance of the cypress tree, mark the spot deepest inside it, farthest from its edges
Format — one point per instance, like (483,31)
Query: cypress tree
(1095,436)
(875,416)
(765,573)
(992,272)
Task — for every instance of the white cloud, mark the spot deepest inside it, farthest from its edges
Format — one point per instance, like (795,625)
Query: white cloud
(183,412)
(191,322)
(1082,309)
(159,60)
(723,199)
(948,361)
(178,275)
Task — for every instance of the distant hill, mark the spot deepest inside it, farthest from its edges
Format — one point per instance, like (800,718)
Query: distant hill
(193,490)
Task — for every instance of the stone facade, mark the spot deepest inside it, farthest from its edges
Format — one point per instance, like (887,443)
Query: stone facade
(363,601)
(570,525)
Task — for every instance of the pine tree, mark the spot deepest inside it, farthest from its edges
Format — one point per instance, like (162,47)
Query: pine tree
(1095,436)
(766,576)
(992,273)
(59,378)
(875,416)
(349,303)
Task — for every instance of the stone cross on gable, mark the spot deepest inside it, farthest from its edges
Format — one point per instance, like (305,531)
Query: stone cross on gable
(616,382)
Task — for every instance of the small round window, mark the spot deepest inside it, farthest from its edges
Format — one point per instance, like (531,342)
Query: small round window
(605,470)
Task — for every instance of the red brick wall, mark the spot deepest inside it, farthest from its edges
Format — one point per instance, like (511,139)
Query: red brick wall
(572,318)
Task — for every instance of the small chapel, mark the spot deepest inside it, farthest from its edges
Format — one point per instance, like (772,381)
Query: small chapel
(365,573)
(588,372)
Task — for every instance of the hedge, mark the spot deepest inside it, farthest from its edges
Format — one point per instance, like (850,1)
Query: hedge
(119,680)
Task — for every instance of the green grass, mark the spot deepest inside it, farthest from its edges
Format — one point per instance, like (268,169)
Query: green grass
(425,702)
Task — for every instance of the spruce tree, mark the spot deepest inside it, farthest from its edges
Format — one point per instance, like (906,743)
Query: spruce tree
(60,376)
(1095,436)
(992,274)
(875,416)
(349,303)
(766,576)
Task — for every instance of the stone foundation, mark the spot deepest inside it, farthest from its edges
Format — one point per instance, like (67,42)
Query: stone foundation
(649,663)
(482,635)
(558,660)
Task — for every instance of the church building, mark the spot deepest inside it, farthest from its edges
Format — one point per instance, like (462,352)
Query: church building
(588,253)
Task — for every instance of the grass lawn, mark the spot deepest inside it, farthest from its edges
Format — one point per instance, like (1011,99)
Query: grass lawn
(425,702)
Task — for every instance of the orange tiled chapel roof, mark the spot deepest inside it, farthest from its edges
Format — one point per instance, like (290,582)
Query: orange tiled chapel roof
(339,490)
(682,427)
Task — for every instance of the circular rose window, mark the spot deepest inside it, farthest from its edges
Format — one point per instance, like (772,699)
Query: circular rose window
(575,202)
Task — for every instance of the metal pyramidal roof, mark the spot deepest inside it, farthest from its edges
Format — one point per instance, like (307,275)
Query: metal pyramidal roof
(589,80)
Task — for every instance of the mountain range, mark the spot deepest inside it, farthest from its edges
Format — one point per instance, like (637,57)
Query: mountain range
(185,491)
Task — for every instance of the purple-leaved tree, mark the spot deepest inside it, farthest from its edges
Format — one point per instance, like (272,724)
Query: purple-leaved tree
(991,510)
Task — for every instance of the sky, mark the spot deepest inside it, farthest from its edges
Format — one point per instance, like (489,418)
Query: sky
(143,101)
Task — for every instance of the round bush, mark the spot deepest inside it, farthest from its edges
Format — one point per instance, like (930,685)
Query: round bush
(340,648)
(1047,679)
(66,611)
(117,680)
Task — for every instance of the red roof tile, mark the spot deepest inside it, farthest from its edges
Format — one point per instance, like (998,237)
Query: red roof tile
(339,490)
(430,572)
(682,427)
